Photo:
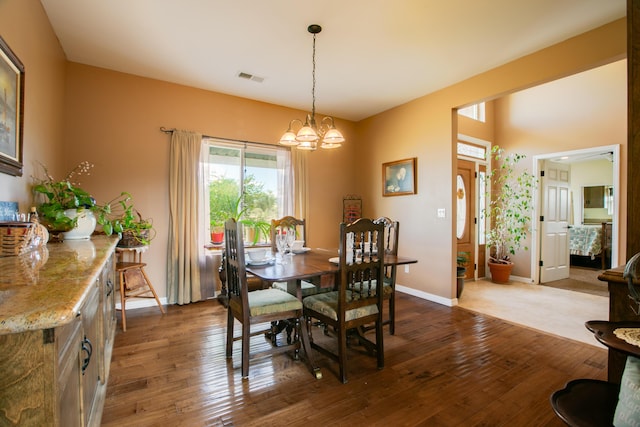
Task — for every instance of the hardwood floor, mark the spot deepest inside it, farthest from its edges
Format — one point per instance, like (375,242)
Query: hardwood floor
(446,366)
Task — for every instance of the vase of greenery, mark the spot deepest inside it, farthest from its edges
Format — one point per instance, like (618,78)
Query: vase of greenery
(66,205)
(509,210)
(136,230)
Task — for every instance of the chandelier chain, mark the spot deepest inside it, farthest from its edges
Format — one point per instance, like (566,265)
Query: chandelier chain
(313,86)
(310,132)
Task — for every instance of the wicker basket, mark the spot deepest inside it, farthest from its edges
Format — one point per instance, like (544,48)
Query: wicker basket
(15,237)
(131,240)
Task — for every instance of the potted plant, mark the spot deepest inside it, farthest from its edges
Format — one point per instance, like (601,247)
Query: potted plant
(133,229)
(461,272)
(509,209)
(73,212)
(232,208)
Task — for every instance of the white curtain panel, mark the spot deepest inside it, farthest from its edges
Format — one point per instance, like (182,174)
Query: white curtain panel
(300,191)
(285,173)
(183,273)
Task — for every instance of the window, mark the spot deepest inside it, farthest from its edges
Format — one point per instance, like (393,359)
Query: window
(250,182)
(482,206)
(475,112)
(475,151)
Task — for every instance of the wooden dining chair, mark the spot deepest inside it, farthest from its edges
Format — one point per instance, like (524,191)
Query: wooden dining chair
(300,226)
(261,306)
(391,233)
(358,299)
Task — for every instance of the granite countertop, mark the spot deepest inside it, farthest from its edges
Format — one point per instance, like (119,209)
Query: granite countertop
(45,288)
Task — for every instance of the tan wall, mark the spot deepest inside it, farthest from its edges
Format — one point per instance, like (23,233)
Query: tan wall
(113,120)
(423,128)
(585,110)
(25,28)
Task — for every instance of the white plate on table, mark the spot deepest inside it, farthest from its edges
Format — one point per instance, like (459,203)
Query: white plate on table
(334,260)
(300,251)
(261,262)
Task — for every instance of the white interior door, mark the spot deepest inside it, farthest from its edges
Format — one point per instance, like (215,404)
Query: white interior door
(554,241)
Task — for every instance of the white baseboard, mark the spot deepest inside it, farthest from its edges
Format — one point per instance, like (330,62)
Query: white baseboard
(133,303)
(427,296)
(519,279)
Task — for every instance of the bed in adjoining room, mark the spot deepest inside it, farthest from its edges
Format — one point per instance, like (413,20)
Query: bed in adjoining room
(590,245)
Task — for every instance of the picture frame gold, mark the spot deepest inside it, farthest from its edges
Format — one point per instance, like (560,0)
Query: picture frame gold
(11,111)
(399,178)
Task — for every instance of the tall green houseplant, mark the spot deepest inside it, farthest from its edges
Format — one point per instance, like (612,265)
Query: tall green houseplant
(509,206)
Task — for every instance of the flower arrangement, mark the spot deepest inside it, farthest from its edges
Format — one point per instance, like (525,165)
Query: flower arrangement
(116,216)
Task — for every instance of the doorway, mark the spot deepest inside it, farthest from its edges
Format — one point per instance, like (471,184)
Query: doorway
(470,200)
(602,169)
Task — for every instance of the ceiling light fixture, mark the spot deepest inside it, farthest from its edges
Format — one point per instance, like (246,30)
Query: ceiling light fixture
(310,133)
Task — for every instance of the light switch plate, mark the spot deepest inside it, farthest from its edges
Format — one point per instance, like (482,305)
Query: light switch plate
(442,213)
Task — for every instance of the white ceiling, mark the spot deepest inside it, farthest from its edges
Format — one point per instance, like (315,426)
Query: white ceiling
(371,55)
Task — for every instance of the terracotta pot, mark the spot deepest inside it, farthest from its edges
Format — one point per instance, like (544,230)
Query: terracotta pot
(461,273)
(217,237)
(500,272)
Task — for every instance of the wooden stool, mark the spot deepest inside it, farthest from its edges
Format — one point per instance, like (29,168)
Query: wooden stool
(134,281)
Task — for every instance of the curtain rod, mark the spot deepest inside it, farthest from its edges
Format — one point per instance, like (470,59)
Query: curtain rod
(166,130)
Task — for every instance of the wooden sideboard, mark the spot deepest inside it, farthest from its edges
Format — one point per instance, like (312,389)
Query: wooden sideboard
(57,328)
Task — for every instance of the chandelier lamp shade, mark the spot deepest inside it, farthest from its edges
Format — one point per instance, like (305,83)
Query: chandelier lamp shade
(311,132)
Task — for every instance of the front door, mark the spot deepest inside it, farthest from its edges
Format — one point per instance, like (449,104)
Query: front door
(466,207)
(554,240)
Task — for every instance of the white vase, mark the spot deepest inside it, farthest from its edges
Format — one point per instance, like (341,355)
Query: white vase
(86,224)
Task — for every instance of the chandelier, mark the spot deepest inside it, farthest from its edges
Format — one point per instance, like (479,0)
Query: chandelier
(310,132)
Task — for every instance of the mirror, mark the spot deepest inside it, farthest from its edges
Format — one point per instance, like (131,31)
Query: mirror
(597,204)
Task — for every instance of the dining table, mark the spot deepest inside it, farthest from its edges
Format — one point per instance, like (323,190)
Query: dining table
(309,264)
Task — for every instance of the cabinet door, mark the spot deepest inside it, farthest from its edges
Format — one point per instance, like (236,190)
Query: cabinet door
(108,283)
(69,339)
(91,351)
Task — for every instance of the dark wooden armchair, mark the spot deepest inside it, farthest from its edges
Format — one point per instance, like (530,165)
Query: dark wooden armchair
(260,306)
(358,299)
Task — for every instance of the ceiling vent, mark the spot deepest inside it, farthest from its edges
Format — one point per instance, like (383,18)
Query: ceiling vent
(251,77)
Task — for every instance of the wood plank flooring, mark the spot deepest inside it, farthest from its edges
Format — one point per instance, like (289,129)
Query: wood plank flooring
(446,366)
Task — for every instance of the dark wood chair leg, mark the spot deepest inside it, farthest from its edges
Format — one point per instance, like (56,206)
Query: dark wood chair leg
(230,321)
(392,313)
(245,350)
(380,344)
(342,354)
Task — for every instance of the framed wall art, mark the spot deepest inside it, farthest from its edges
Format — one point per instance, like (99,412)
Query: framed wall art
(11,111)
(351,208)
(399,177)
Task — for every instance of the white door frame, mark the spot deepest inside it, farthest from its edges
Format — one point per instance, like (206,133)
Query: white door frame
(535,238)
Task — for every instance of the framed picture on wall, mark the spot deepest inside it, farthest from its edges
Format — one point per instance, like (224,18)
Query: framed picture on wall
(11,111)
(351,208)
(399,177)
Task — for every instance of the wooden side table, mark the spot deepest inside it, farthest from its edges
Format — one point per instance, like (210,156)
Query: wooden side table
(134,281)
(620,310)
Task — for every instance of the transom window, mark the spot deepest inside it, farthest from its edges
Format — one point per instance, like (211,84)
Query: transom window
(475,112)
